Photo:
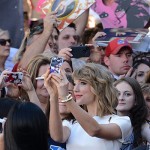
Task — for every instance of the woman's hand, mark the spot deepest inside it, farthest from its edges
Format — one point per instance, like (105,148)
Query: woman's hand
(26,83)
(49,85)
(61,81)
(98,34)
(50,21)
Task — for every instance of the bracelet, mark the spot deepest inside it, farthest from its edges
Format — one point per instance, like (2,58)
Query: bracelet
(68,98)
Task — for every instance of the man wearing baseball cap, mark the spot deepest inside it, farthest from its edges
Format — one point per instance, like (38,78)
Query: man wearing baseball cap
(118,57)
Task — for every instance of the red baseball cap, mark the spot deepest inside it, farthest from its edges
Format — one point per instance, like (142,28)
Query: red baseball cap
(115,45)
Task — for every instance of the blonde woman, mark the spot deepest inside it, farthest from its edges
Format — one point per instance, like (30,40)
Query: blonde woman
(98,128)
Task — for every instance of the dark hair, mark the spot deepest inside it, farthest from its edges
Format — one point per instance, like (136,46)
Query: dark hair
(147,79)
(70,64)
(138,62)
(26,128)
(89,34)
(5,106)
(139,112)
(70,79)
(72,25)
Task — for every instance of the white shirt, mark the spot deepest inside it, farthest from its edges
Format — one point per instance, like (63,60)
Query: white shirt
(9,64)
(80,140)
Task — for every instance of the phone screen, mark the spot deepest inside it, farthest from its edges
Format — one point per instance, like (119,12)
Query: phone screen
(14,77)
(80,51)
(55,65)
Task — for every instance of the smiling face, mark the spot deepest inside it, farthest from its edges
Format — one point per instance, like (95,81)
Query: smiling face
(126,98)
(83,93)
(40,88)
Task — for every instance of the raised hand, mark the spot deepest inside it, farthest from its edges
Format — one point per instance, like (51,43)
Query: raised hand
(131,73)
(50,21)
(61,81)
(98,34)
(26,83)
(65,53)
(49,85)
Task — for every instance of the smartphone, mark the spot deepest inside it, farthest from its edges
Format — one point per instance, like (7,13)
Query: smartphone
(56,63)
(15,77)
(80,51)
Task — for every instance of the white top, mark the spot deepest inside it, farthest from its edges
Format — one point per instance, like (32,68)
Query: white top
(80,140)
(146,132)
(9,64)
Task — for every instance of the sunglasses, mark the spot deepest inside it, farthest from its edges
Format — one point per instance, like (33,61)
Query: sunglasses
(4,41)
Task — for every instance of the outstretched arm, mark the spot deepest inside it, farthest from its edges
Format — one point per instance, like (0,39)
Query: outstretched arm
(1,141)
(38,46)
(57,131)
(81,22)
(108,131)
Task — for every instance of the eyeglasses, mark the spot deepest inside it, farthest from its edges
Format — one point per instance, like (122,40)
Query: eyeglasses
(4,41)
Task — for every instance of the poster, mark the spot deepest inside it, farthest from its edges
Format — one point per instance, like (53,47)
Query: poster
(137,37)
(67,10)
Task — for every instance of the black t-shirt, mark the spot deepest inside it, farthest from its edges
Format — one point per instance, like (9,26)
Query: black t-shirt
(55,145)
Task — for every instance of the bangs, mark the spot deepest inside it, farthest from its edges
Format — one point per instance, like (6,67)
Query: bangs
(82,74)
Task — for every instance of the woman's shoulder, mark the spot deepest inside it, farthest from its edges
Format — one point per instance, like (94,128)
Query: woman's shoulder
(112,117)
(121,120)
(120,117)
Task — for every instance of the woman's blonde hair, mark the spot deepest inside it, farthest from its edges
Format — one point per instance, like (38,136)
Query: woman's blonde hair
(101,82)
